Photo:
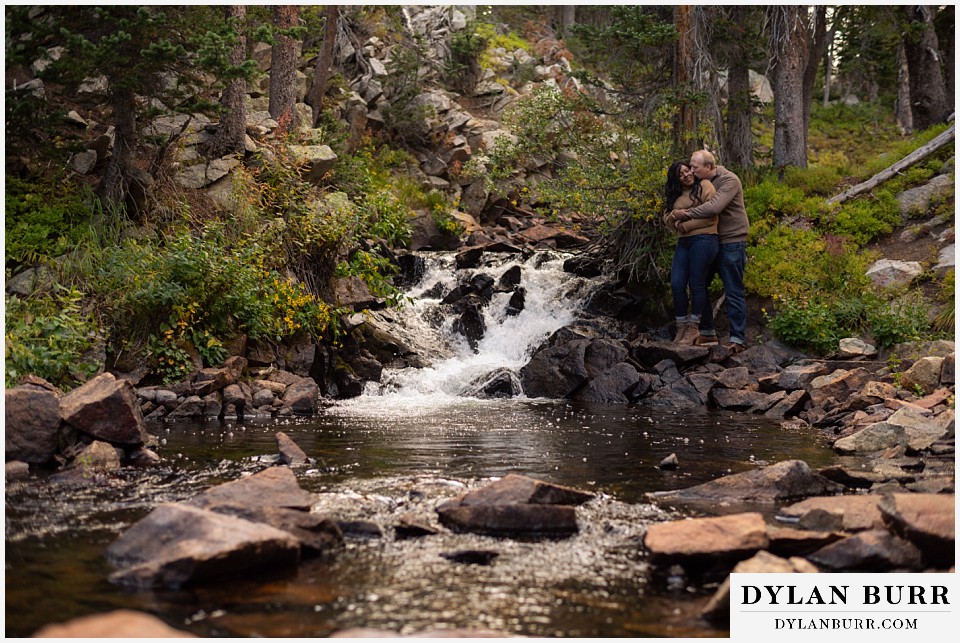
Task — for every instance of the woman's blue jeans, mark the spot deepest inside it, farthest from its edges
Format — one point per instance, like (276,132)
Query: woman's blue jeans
(692,259)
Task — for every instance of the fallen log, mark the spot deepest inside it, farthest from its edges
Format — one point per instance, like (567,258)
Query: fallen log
(914,157)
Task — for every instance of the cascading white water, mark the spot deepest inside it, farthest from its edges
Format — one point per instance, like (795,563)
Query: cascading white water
(552,298)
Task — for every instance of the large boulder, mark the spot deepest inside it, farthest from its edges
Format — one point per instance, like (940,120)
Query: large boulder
(556,371)
(178,545)
(315,160)
(926,520)
(890,273)
(32,424)
(706,545)
(788,480)
(105,408)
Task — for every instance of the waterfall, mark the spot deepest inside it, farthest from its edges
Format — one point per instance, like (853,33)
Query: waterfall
(456,366)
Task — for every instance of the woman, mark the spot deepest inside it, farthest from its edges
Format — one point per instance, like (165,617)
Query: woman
(697,247)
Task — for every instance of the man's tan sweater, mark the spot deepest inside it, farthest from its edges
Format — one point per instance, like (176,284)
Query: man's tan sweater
(733,225)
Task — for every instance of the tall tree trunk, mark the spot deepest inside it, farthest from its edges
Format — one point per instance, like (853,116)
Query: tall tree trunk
(828,66)
(685,126)
(283,69)
(788,42)
(321,73)
(946,38)
(115,185)
(928,99)
(568,18)
(816,47)
(903,112)
(232,129)
(738,142)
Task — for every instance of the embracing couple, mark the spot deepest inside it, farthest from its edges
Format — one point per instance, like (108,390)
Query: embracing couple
(704,206)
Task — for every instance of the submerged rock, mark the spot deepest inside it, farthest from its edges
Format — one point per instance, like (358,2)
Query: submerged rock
(290,452)
(273,487)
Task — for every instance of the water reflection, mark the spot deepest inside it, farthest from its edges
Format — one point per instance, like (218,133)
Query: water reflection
(376,459)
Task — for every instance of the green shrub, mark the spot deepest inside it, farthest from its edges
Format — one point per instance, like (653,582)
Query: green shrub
(817,179)
(867,217)
(47,335)
(806,323)
(43,221)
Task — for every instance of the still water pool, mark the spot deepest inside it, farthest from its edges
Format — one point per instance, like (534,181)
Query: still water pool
(376,459)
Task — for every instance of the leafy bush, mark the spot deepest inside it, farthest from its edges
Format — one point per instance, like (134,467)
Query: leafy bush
(42,221)
(818,320)
(817,179)
(47,335)
(867,217)
(463,70)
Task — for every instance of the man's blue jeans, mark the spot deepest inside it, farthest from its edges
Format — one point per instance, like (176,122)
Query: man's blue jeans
(691,262)
(730,264)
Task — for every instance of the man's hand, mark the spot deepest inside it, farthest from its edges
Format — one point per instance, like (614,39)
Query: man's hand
(681,215)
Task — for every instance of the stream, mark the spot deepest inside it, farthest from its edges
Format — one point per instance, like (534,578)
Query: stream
(408,443)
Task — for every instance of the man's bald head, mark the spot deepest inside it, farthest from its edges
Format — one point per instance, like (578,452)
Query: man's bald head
(703,164)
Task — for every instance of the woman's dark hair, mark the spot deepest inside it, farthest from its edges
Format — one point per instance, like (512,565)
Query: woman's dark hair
(673,189)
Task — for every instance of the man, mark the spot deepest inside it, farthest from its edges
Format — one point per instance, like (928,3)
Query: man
(732,229)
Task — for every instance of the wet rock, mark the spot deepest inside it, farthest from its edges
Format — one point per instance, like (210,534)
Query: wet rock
(518,489)
(786,480)
(105,408)
(510,278)
(411,527)
(290,453)
(706,545)
(926,520)
(669,463)
(501,383)
(612,386)
(850,478)
(470,556)
(518,300)
(302,397)
(412,268)
(97,457)
(876,550)
(717,610)
(511,520)
(836,513)
(144,457)
(123,624)
(263,397)
(360,528)
(178,545)
(316,534)
(470,323)
(273,487)
(469,258)
(32,424)
(555,371)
